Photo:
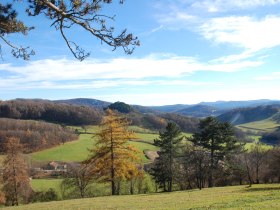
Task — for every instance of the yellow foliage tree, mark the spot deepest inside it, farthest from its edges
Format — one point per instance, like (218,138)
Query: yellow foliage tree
(113,159)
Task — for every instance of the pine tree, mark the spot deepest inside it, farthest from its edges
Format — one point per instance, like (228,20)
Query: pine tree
(168,142)
(113,159)
(16,183)
(218,138)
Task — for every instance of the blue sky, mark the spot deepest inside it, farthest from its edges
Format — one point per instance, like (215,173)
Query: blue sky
(191,51)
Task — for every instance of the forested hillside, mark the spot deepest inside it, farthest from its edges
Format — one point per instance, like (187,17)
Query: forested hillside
(50,112)
(245,115)
(34,135)
(94,103)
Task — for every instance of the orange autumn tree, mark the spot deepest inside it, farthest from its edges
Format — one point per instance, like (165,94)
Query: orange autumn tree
(16,183)
(113,159)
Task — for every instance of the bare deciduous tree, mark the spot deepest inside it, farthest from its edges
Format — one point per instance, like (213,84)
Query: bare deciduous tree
(16,183)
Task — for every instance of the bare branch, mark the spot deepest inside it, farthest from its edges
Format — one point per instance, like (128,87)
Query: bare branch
(19,52)
(84,14)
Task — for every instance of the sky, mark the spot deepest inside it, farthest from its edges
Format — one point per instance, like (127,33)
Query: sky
(191,51)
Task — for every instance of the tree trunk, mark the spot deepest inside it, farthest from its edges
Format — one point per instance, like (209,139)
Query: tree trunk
(248,172)
(210,178)
(113,186)
(15,199)
(257,174)
(170,185)
(131,187)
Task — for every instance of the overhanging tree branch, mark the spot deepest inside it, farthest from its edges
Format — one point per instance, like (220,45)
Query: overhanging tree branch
(85,14)
(63,15)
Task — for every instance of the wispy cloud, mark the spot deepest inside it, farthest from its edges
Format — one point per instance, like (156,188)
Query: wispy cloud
(228,5)
(249,33)
(153,69)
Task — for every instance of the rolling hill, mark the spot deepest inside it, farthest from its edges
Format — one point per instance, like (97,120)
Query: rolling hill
(226,105)
(94,103)
(200,111)
(251,114)
(205,109)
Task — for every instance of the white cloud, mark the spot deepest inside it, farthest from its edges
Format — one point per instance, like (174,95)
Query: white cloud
(67,74)
(226,5)
(246,32)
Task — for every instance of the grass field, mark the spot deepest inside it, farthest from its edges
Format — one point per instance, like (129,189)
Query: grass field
(78,150)
(263,125)
(248,146)
(70,151)
(262,197)
(46,184)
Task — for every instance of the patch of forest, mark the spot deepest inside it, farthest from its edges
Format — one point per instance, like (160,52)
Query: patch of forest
(34,135)
(50,112)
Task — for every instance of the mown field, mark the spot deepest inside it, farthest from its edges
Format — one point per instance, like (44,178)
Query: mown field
(237,197)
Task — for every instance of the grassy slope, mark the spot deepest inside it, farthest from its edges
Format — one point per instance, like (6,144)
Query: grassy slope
(70,151)
(248,146)
(266,125)
(237,197)
(78,150)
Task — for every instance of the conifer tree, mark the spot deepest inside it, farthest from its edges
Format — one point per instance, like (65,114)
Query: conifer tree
(168,142)
(218,138)
(113,159)
(16,183)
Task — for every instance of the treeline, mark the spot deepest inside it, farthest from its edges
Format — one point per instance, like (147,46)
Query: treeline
(187,124)
(50,112)
(152,120)
(272,138)
(159,122)
(34,135)
(215,158)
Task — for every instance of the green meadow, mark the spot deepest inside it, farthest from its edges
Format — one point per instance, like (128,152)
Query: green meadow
(79,150)
(266,125)
(70,151)
(263,197)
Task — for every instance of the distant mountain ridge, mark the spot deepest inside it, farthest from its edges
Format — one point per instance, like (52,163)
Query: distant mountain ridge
(85,102)
(200,110)
(240,104)
(204,109)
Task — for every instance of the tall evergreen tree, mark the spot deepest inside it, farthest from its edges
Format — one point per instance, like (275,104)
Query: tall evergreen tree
(113,159)
(16,183)
(218,138)
(168,142)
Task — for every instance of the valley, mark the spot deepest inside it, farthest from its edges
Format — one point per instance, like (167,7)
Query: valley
(253,124)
